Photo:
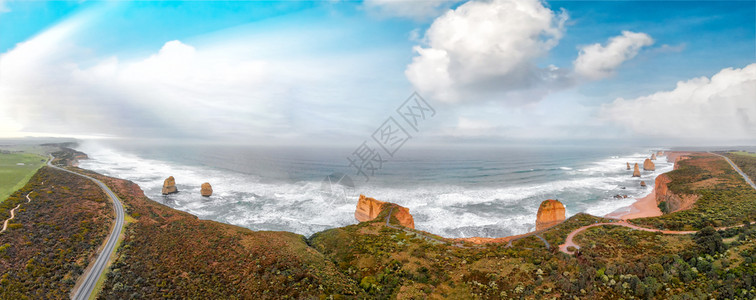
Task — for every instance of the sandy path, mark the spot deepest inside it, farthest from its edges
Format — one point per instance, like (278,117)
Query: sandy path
(569,241)
(13,214)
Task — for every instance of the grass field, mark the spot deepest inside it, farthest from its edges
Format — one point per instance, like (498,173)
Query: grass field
(744,153)
(12,175)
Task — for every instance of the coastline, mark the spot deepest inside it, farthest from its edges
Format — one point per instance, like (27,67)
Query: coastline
(641,208)
(646,207)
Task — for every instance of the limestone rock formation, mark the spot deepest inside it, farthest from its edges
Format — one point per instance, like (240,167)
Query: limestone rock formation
(207,189)
(672,202)
(636,171)
(648,165)
(169,186)
(628,166)
(653,156)
(550,213)
(369,208)
(643,184)
(659,153)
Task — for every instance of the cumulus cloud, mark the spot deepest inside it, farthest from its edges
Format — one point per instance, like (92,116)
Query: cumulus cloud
(411,9)
(596,61)
(487,50)
(722,107)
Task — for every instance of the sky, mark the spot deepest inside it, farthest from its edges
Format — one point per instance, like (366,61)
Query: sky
(307,72)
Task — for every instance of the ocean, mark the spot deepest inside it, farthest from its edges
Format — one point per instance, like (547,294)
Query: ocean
(453,192)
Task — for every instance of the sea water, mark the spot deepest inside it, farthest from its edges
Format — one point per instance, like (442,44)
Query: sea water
(453,192)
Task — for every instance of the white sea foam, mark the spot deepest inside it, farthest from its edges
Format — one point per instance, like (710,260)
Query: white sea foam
(447,209)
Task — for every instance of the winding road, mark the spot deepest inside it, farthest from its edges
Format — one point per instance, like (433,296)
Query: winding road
(13,214)
(569,240)
(85,289)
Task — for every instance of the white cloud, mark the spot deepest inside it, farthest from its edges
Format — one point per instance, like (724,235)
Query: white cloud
(720,108)
(412,9)
(597,61)
(239,87)
(488,50)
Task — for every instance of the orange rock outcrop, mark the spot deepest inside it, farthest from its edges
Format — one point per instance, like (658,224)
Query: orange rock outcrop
(169,186)
(653,156)
(636,171)
(648,165)
(369,208)
(207,189)
(550,212)
(674,202)
(628,166)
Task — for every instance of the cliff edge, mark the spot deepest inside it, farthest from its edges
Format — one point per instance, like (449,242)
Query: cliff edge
(369,208)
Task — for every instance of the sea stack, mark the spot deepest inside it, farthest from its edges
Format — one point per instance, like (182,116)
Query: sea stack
(550,213)
(653,156)
(169,186)
(636,171)
(207,190)
(628,166)
(369,209)
(643,184)
(659,153)
(648,165)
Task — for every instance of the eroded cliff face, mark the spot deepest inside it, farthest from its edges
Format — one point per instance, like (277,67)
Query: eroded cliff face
(369,208)
(550,212)
(169,186)
(673,201)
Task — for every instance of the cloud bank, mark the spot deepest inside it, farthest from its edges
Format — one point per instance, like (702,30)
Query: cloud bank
(597,61)
(485,50)
(722,107)
(246,89)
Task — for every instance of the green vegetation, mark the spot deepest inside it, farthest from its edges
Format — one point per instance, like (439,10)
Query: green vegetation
(53,237)
(724,198)
(169,253)
(745,161)
(744,153)
(14,176)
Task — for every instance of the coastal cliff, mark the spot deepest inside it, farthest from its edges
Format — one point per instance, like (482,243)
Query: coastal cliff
(550,212)
(667,200)
(369,208)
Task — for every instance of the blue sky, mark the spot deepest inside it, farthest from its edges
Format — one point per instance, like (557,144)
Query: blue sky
(321,72)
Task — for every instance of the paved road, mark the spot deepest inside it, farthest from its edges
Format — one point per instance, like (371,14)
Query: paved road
(748,180)
(13,214)
(569,242)
(90,277)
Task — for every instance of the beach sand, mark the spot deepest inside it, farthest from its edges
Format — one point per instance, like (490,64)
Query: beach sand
(644,207)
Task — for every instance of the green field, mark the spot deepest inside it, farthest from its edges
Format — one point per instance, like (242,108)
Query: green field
(744,153)
(14,176)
